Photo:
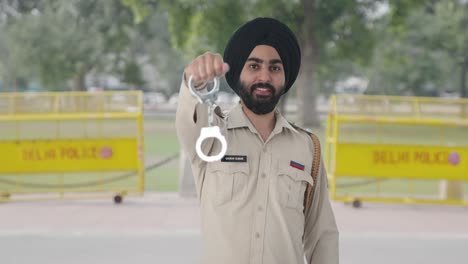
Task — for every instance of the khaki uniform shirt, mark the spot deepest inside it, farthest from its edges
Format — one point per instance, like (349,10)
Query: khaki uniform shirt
(252,203)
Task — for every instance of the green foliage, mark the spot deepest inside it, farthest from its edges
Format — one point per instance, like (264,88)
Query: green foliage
(140,9)
(62,40)
(414,47)
(56,41)
(132,74)
(7,73)
(169,63)
(59,51)
(341,26)
(196,27)
(421,55)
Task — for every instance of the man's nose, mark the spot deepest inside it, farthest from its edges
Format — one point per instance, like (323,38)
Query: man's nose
(264,75)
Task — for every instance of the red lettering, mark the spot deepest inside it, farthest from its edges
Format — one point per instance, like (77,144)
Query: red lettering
(94,152)
(63,153)
(404,157)
(37,154)
(89,153)
(74,153)
(390,157)
(85,153)
(437,158)
(393,158)
(441,157)
(69,153)
(420,157)
(27,154)
(50,154)
(379,157)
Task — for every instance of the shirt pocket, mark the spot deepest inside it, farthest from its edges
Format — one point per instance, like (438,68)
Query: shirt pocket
(292,185)
(230,181)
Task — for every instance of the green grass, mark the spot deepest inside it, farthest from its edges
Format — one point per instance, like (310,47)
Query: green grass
(164,179)
(161,142)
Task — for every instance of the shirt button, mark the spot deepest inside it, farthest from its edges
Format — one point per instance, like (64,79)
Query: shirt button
(260,208)
(264,150)
(263,175)
(257,235)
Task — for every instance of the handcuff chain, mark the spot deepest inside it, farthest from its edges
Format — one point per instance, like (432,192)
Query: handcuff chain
(211,131)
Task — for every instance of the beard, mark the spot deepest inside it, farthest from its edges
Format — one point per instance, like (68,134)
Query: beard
(260,105)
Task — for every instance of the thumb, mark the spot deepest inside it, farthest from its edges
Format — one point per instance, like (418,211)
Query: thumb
(225,68)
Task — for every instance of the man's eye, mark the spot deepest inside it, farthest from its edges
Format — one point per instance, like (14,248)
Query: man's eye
(253,66)
(275,68)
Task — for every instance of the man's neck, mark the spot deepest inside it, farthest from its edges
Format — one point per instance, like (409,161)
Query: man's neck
(264,124)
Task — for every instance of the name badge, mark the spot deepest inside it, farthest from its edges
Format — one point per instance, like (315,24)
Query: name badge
(234,158)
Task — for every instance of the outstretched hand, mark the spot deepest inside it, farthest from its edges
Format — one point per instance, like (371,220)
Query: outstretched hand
(205,68)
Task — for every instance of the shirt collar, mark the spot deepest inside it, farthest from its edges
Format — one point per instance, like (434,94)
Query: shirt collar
(281,123)
(237,118)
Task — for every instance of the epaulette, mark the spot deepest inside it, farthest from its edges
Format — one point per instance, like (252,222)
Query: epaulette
(300,128)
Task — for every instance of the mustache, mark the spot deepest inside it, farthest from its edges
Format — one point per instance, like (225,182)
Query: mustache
(262,85)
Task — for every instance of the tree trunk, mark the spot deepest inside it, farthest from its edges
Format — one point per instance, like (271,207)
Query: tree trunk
(307,93)
(79,81)
(463,92)
(464,66)
(15,84)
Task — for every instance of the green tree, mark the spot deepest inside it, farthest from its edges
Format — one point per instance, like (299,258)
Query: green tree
(132,75)
(62,40)
(423,54)
(168,62)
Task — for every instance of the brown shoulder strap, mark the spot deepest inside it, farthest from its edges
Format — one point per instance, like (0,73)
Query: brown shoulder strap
(309,193)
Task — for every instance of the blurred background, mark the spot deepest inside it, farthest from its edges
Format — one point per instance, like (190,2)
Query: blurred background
(382,74)
(404,48)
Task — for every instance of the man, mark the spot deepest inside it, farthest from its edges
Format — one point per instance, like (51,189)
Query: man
(252,200)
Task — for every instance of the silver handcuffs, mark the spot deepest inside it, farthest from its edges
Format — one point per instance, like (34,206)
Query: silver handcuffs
(210,131)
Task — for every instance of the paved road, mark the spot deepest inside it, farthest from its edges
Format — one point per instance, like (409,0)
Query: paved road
(163,228)
(184,247)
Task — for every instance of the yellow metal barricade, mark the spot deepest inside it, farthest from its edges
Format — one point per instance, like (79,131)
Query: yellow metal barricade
(397,149)
(71,145)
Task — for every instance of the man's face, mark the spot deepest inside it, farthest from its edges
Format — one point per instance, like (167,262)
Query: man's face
(262,80)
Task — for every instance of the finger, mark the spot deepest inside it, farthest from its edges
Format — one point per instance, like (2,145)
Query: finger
(192,71)
(210,66)
(201,68)
(218,65)
(225,68)
(191,75)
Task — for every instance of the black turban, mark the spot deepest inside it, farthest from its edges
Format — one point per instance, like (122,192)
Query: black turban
(262,31)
